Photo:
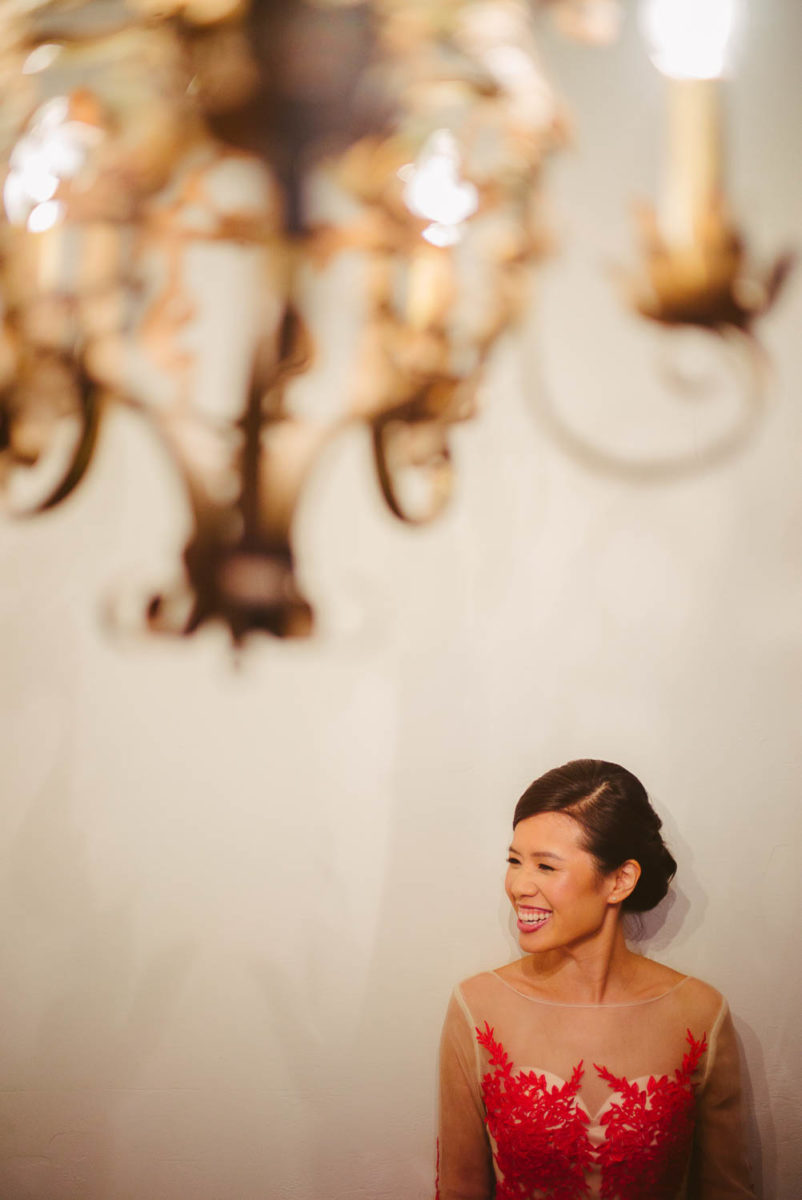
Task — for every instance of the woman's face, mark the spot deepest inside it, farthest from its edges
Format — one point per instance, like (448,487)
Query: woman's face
(554,885)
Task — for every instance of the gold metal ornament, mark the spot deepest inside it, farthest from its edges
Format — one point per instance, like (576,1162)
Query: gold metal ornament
(162,160)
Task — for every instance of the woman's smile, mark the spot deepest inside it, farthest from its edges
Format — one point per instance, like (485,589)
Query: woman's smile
(531,919)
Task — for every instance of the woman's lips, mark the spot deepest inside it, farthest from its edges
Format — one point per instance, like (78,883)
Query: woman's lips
(532,919)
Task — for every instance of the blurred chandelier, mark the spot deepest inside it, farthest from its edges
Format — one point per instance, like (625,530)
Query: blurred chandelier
(193,190)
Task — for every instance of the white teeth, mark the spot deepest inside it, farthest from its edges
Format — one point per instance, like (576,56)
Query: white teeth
(530,918)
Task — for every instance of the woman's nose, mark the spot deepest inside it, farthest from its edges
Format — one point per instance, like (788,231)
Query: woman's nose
(525,885)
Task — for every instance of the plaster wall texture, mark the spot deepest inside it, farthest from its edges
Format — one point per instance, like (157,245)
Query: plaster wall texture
(233,901)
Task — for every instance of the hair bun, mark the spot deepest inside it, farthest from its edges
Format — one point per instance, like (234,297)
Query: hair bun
(658,868)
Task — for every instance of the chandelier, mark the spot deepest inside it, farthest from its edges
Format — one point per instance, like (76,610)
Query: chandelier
(196,193)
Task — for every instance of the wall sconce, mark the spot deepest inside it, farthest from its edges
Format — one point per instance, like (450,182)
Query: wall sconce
(695,271)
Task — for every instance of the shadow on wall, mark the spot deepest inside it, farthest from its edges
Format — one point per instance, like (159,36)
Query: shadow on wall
(318,1066)
(682,912)
(670,925)
(762,1140)
(86,1011)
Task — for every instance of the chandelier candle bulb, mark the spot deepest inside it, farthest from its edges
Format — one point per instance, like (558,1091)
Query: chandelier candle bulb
(689,42)
(48,257)
(430,287)
(694,175)
(696,269)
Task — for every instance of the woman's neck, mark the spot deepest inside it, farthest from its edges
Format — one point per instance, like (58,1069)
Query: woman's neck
(599,970)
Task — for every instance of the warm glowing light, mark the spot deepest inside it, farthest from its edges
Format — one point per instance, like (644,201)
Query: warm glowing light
(438,234)
(53,148)
(433,189)
(689,39)
(45,216)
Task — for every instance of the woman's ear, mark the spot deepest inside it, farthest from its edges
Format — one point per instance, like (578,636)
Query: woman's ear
(625,880)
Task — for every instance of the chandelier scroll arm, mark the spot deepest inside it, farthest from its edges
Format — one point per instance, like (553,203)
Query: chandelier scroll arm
(91,413)
(88,414)
(413,436)
(438,467)
(749,362)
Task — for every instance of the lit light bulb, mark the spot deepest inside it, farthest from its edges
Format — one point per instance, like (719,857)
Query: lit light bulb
(45,216)
(689,39)
(433,189)
(53,148)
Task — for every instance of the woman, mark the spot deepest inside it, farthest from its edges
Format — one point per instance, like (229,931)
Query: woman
(583,1069)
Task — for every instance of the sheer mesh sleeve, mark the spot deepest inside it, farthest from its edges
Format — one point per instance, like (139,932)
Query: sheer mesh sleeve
(720,1170)
(465,1164)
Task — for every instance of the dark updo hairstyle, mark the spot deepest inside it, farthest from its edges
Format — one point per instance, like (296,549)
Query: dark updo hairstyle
(618,822)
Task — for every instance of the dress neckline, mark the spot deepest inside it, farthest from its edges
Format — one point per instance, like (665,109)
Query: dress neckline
(564,1004)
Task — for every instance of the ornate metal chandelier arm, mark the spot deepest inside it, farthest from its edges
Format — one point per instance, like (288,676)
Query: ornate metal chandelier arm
(85,419)
(90,417)
(750,365)
(411,447)
(403,448)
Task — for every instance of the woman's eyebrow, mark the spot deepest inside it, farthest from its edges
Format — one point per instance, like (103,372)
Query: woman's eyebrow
(538,854)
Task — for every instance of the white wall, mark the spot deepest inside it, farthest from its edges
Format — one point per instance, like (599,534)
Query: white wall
(233,902)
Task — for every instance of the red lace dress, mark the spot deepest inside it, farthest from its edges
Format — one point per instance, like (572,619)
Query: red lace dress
(542,1101)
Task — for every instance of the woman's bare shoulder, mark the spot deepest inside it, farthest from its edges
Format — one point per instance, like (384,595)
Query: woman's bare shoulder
(651,978)
(474,981)
(478,987)
(657,977)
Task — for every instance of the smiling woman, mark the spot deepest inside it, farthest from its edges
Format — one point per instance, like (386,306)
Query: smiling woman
(658,1114)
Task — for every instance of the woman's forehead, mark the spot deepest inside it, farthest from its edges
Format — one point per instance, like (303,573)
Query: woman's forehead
(548,831)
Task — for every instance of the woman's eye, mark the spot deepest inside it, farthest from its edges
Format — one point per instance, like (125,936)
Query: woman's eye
(545,867)
(514,862)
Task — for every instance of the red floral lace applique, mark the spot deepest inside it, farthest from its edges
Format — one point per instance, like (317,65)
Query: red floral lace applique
(540,1134)
(437,1173)
(648,1132)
